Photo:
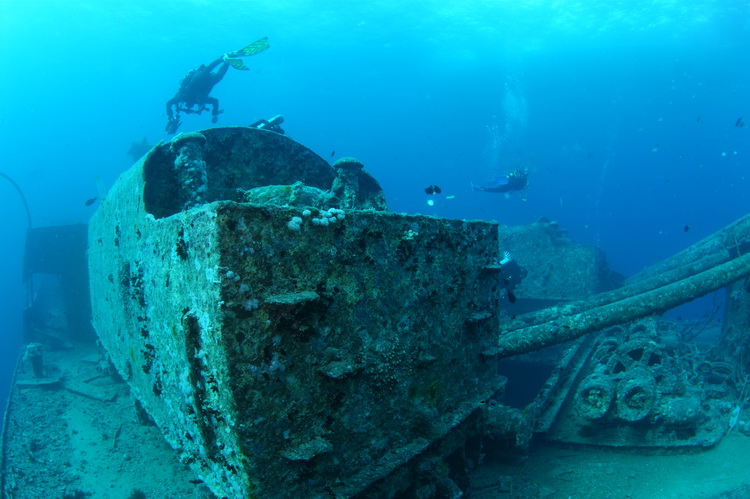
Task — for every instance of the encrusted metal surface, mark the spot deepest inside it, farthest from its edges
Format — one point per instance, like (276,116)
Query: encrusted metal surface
(284,355)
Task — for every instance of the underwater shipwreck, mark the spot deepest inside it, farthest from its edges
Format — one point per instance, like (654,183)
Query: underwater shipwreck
(288,336)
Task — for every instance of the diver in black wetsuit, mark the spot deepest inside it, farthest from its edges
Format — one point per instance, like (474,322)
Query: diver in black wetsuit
(514,181)
(192,97)
(193,94)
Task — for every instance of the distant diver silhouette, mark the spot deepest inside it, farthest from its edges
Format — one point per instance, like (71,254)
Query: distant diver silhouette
(514,181)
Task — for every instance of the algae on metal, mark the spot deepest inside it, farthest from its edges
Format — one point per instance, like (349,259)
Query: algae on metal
(283,356)
(566,326)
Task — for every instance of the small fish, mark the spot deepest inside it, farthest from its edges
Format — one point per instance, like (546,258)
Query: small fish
(196,481)
(333,153)
(686,228)
(91,201)
(432,189)
(739,122)
(511,296)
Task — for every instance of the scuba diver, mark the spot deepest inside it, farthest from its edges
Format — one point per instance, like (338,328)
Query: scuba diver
(514,181)
(193,94)
(512,275)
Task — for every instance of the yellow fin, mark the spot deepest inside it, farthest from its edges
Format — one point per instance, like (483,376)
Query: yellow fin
(253,48)
(235,63)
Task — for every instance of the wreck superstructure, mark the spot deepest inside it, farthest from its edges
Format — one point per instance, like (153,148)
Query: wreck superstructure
(313,347)
(289,336)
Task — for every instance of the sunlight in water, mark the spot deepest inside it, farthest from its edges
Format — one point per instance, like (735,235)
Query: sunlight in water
(504,134)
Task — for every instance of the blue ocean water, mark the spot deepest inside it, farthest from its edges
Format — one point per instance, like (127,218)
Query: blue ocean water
(627,113)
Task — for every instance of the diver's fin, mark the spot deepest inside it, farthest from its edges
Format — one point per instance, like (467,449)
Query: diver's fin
(252,49)
(234,62)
